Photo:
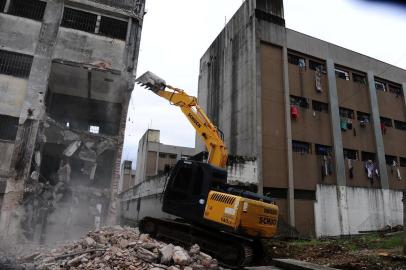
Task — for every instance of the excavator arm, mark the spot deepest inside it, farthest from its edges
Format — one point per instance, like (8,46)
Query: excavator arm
(218,153)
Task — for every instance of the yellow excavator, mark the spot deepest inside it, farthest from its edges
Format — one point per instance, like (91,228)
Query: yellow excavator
(226,222)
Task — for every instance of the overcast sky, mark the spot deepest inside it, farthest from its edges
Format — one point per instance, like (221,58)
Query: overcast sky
(176,34)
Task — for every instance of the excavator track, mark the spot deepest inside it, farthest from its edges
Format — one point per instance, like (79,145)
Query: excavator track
(231,251)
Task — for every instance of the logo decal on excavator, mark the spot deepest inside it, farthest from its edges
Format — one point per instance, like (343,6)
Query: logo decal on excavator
(267,220)
(194,120)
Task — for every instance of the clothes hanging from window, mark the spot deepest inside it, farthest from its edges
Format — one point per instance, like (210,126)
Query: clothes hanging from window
(318,80)
(383,128)
(354,132)
(395,167)
(325,163)
(349,124)
(364,122)
(294,112)
(369,168)
(343,124)
(329,165)
(350,168)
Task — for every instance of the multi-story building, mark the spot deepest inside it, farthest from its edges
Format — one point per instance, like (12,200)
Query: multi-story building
(67,70)
(127,176)
(326,126)
(155,158)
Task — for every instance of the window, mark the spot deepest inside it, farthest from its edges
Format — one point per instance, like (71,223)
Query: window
(386,121)
(113,28)
(342,74)
(296,60)
(400,125)
(80,20)
(346,113)
(402,162)
(323,150)
(395,89)
(172,156)
(390,159)
(361,116)
(359,78)
(367,156)
(162,155)
(320,106)
(2,5)
(350,154)
(31,9)
(8,127)
(381,86)
(94,129)
(15,64)
(299,101)
(317,66)
(301,147)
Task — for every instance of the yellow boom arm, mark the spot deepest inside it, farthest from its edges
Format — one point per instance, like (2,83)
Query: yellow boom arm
(218,153)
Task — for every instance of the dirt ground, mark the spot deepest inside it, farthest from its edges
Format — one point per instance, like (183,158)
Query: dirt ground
(366,252)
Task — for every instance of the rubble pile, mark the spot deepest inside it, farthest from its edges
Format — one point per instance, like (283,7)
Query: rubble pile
(122,248)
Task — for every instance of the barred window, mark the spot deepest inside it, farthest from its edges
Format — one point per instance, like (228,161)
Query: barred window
(390,159)
(296,60)
(301,147)
(31,9)
(346,113)
(386,121)
(15,64)
(320,106)
(316,65)
(323,150)
(350,154)
(80,20)
(2,5)
(113,28)
(8,127)
(396,89)
(361,116)
(367,156)
(400,125)
(359,78)
(402,162)
(299,101)
(342,74)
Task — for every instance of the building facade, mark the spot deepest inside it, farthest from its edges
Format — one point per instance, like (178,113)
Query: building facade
(67,71)
(127,176)
(324,126)
(155,158)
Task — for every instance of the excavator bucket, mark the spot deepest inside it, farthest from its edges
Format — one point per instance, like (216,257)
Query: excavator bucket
(151,81)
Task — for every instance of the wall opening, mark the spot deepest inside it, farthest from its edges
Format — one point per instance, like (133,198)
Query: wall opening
(8,127)
(15,64)
(113,28)
(2,5)
(31,9)
(80,20)
(350,154)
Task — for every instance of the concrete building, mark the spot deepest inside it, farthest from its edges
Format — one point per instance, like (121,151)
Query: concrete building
(318,122)
(127,176)
(67,70)
(155,158)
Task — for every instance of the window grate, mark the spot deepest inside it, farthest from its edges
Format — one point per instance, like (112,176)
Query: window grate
(301,147)
(361,116)
(299,101)
(367,156)
(359,78)
(390,159)
(296,60)
(2,5)
(320,106)
(113,28)
(350,154)
(31,9)
(8,127)
(15,64)
(386,121)
(80,20)
(400,125)
(402,162)
(395,89)
(323,150)
(346,113)
(317,66)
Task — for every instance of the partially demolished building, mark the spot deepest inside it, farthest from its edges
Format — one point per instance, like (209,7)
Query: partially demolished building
(67,71)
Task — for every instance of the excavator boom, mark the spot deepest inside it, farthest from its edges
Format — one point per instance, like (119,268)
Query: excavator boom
(218,153)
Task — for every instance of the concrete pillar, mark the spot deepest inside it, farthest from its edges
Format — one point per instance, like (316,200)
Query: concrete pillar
(376,124)
(288,125)
(31,114)
(404,92)
(335,124)
(338,149)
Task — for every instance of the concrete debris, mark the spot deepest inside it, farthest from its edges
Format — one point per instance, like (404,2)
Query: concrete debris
(71,149)
(121,248)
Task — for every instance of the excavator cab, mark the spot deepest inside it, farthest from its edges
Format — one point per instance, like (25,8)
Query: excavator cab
(188,187)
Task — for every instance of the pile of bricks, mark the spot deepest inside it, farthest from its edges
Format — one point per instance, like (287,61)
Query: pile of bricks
(122,248)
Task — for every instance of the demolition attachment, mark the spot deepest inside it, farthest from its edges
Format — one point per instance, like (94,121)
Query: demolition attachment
(151,81)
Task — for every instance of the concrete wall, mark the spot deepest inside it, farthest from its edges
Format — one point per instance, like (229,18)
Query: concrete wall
(6,150)
(366,210)
(12,95)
